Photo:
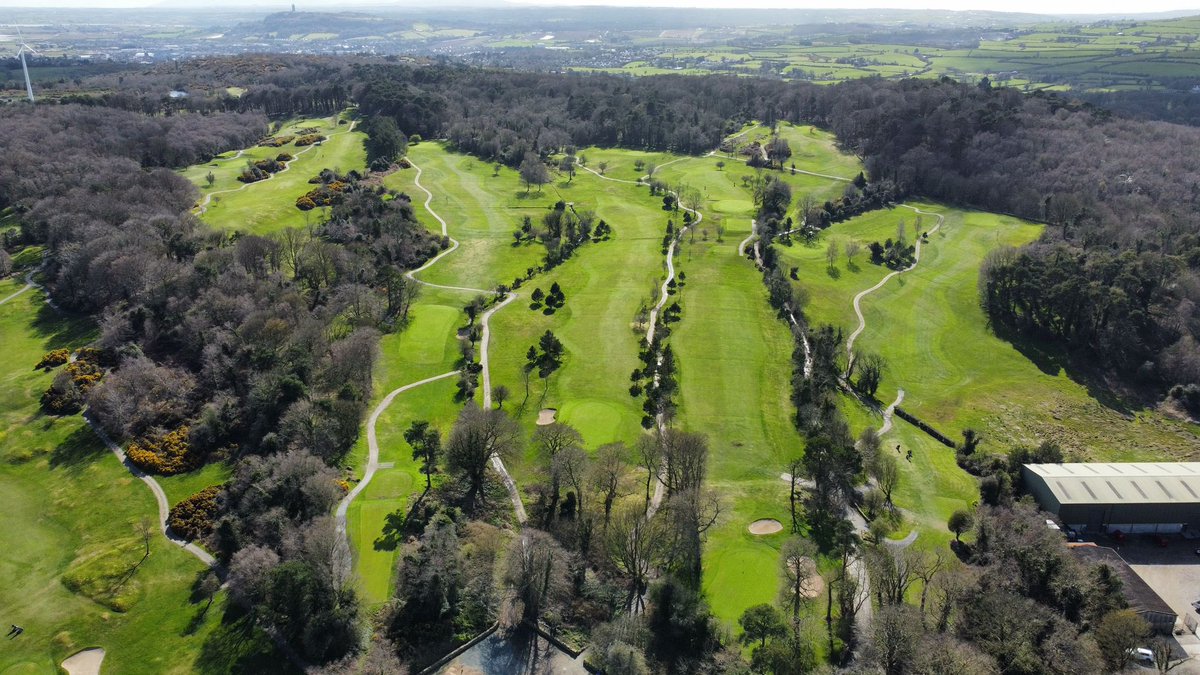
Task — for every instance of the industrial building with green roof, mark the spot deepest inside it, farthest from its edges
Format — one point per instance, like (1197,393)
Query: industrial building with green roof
(1161,497)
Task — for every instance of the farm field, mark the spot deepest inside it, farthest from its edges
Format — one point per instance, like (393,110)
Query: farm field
(69,513)
(1109,55)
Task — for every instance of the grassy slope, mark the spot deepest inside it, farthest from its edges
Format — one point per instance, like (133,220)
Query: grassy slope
(956,373)
(270,205)
(481,216)
(64,497)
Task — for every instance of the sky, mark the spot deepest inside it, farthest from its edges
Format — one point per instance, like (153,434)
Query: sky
(1030,6)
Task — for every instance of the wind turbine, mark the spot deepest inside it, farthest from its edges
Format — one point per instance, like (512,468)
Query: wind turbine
(21,53)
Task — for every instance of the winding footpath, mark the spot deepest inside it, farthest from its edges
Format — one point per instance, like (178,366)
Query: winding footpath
(862,322)
(29,283)
(372,437)
(203,205)
(160,497)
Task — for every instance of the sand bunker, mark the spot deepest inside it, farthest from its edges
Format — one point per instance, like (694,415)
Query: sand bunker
(86,662)
(814,584)
(546,416)
(766,526)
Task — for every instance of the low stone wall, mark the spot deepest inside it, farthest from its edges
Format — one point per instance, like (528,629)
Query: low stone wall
(923,426)
(461,648)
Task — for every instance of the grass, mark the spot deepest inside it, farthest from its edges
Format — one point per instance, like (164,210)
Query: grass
(68,520)
(482,210)
(270,205)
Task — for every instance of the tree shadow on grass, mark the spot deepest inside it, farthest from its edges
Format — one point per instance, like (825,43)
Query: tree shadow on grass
(61,331)
(1052,359)
(80,448)
(833,272)
(238,646)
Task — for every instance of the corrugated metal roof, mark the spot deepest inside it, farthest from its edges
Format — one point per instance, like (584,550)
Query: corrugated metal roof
(1129,483)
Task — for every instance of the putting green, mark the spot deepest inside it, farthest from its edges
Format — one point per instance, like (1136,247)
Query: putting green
(596,419)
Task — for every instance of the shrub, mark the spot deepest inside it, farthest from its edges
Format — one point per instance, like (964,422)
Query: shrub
(276,141)
(63,397)
(53,359)
(284,157)
(309,139)
(167,454)
(304,203)
(404,163)
(84,373)
(192,518)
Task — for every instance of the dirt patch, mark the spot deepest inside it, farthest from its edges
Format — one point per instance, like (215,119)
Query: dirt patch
(766,526)
(86,662)
(546,416)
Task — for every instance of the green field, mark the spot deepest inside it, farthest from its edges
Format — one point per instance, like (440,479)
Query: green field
(69,513)
(1106,55)
(270,205)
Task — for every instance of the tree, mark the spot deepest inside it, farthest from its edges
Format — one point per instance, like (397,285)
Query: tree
(650,457)
(567,166)
(720,165)
(500,394)
(478,435)
(551,441)
(429,582)
(852,250)
(870,373)
(1117,635)
(426,443)
(1164,655)
(384,140)
(778,150)
(636,545)
(886,472)
(536,572)
(760,623)
(960,521)
(797,562)
(607,473)
(895,634)
(210,178)
(533,171)
(603,166)
(831,253)
(971,440)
